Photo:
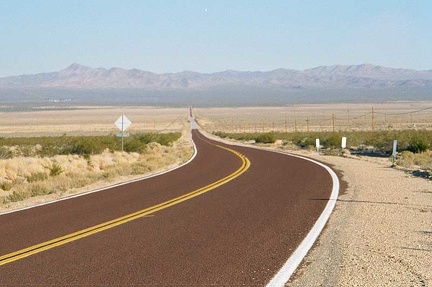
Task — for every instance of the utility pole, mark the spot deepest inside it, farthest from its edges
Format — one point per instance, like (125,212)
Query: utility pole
(333,122)
(349,124)
(373,124)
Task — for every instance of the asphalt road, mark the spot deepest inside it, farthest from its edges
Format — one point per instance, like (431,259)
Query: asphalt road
(239,233)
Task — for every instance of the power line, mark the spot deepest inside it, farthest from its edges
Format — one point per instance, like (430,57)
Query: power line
(404,113)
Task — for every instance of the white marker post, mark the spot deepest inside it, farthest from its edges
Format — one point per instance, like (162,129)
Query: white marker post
(317,142)
(122,123)
(394,152)
(343,142)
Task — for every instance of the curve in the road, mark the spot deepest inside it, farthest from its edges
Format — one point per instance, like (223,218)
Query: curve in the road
(127,218)
(291,265)
(240,234)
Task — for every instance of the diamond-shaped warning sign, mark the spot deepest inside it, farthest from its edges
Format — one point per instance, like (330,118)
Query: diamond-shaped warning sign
(123,123)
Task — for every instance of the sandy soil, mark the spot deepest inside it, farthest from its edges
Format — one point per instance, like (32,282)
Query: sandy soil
(89,121)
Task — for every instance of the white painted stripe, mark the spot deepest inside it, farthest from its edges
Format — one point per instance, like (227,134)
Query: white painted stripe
(297,257)
(107,187)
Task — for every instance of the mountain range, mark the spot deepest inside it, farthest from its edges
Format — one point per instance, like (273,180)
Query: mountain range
(310,84)
(357,76)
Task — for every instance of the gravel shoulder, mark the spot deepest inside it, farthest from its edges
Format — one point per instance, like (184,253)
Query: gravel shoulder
(380,233)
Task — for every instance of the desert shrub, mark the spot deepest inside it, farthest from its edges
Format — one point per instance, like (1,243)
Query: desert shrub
(84,146)
(406,159)
(81,145)
(418,145)
(27,150)
(15,196)
(139,168)
(168,139)
(221,134)
(55,169)
(38,189)
(134,145)
(107,174)
(165,139)
(5,154)
(332,141)
(248,136)
(305,142)
(38,176)
(382,140)
(266,138)
(6,185)
(422,160)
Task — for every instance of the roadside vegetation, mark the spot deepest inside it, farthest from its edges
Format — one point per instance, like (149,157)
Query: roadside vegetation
(414,146)
(80,145)
(31,167)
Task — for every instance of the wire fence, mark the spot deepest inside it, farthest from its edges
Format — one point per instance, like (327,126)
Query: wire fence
(318,121)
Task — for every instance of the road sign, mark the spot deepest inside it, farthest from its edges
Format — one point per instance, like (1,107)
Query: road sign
(123,134)
(123,123)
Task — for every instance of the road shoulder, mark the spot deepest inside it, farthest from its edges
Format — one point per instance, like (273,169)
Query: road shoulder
(380,232)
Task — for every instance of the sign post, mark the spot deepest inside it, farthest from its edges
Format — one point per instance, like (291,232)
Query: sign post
(122,123)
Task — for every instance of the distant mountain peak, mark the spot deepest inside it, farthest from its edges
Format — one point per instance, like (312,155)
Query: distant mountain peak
(75,67)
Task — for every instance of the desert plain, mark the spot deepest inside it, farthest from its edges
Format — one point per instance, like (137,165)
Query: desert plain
(380,232)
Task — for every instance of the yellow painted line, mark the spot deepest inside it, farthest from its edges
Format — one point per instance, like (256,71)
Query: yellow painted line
(124,219)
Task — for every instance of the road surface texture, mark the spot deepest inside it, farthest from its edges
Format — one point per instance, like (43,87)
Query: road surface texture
(239,233)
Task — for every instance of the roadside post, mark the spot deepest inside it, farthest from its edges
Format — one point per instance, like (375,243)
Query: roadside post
(394,152)
(343,142)
(317,142)
(122,123)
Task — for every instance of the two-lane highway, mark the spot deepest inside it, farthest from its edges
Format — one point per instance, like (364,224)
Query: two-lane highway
(245,215)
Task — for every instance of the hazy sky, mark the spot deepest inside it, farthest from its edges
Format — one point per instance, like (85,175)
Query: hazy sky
(210,36)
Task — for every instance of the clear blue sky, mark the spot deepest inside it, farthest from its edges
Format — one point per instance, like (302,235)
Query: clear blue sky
(210,36)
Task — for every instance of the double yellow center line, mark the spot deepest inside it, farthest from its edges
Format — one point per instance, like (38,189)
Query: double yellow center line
(124,219)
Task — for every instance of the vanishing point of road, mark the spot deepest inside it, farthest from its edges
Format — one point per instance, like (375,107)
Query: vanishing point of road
(231,216)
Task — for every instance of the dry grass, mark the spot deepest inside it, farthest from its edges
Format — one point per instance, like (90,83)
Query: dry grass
(27,180)
(411,160)
(22,178)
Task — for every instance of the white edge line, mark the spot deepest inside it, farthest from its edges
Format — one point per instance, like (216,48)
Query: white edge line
(291,265)
(288,269)
(109,186)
